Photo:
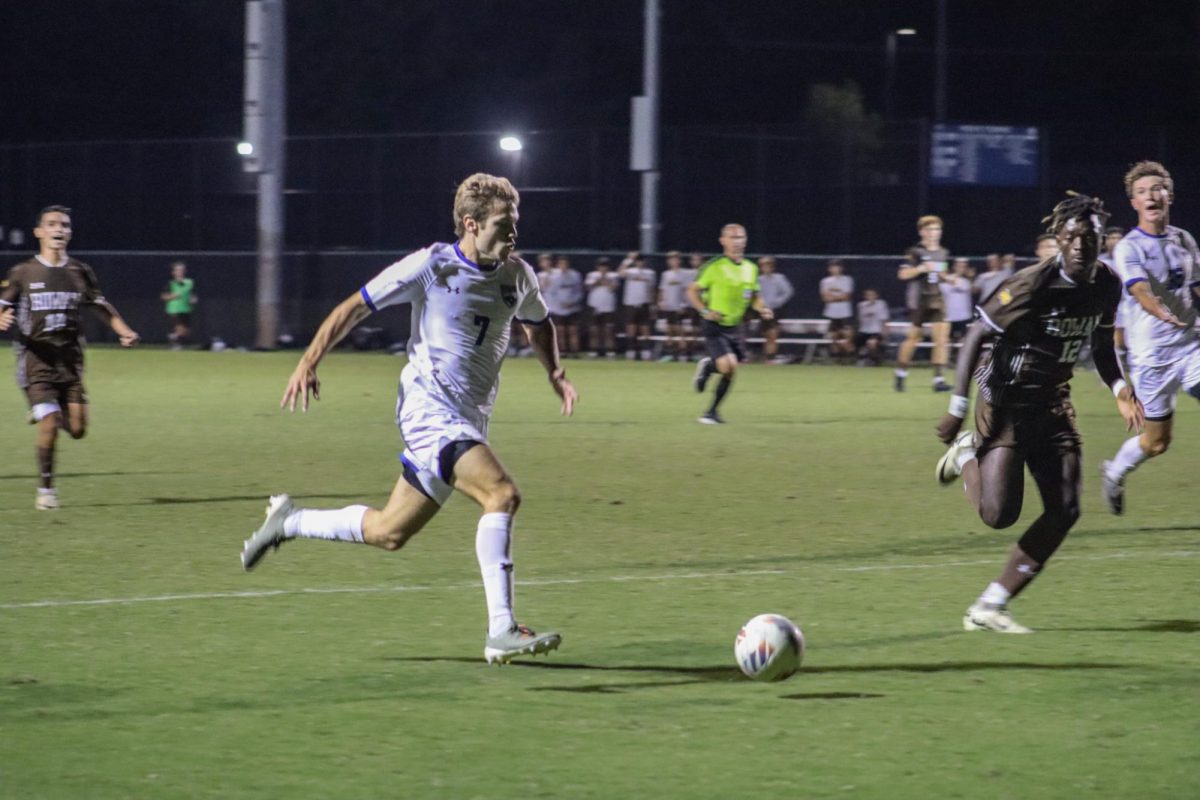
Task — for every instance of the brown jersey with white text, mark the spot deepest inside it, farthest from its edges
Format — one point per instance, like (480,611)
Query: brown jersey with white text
(1043,319)
(48,300)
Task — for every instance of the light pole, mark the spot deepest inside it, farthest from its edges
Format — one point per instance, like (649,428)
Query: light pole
(889,68)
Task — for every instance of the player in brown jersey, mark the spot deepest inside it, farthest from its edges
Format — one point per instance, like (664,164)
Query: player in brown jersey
(925,267)
(43,297)
(1037,320)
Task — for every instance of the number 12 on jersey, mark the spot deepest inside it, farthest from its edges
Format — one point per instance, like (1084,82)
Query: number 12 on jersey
(1070,351)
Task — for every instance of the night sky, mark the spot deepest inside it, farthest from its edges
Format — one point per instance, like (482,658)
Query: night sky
(104,69)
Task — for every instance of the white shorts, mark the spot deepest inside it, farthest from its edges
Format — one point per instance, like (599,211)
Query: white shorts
(1156,386)
(428,427)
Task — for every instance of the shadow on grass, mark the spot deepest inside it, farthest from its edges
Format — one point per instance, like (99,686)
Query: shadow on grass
(231,498)
(726,674)
(1156,626)
(30,476)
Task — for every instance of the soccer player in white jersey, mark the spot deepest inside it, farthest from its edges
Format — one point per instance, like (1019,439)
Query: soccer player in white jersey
(1160,268)
(463,297)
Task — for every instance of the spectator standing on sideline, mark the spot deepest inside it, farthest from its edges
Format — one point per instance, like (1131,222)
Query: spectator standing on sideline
(672,301)
(564,295)
(776,290)
(986,282)
(638,302)
(837,293)
(956,291)
(873,314)
(601,285)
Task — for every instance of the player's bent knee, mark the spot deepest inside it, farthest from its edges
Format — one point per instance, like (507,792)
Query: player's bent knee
(504,497)
(1156,447)
(998,517)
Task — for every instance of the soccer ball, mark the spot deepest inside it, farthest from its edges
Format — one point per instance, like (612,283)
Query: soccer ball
(769,647)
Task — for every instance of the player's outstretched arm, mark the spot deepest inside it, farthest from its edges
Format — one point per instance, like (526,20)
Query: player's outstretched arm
(1108,367)
(340,321)
(6,318)
(968,357)
(544,342)
(1152,305)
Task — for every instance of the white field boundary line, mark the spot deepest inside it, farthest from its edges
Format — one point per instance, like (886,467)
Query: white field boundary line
(677,576)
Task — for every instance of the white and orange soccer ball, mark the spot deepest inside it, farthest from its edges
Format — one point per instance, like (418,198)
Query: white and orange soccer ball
(769,647)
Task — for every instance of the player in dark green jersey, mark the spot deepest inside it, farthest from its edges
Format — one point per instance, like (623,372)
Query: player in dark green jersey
(180,296)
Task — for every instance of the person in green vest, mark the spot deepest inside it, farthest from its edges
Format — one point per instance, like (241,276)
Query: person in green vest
(721,293)
(180,297)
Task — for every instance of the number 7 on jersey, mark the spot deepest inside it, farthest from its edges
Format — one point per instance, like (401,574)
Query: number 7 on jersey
(483,323)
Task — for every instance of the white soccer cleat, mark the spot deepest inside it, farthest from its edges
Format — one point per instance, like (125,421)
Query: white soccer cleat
(46,501)
(518,641)
(1113,491)
(984,617)
(270,533)
(947,467)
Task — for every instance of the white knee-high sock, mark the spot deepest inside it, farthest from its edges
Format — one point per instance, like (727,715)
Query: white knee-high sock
(1127,459)
(341,524)
(493,548)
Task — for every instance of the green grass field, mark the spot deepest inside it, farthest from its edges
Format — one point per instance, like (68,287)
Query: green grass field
(137,660)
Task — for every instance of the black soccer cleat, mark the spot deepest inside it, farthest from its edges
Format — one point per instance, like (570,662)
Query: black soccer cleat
(701,375)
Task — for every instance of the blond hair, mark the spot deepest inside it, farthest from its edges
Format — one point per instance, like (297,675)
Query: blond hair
(927,220)
(1144,169)
(478,197)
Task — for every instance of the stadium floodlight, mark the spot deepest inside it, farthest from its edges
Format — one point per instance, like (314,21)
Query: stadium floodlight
(906,32)
(511,144)
(245,149)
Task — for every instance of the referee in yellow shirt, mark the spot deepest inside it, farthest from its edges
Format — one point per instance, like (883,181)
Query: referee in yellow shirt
(723,290)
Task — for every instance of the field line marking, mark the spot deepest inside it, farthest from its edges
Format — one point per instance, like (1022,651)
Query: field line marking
(675,576)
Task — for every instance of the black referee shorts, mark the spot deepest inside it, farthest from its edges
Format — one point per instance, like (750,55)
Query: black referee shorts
(722,340)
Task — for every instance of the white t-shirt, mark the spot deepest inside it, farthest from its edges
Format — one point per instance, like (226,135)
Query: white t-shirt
(602,298)
(986,282)
(872,315)
(774,289)
(841,309)
(956,290)
(639,286)
(1169,265)
(564,292)
(673,288)
(461,318)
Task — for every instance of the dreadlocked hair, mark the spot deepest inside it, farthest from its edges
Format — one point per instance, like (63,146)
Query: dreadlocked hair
(1076,206)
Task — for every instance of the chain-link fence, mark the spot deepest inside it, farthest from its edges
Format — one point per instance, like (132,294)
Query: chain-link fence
(797,188)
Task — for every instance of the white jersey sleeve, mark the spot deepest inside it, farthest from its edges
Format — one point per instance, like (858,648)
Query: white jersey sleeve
(531,308)
(1129,261)
(402,282)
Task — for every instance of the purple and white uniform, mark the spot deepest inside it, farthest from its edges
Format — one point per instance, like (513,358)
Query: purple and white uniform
(461,318)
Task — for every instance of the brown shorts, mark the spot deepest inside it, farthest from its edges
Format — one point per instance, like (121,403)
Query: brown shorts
(51,374)
(1030,429)
(923,314)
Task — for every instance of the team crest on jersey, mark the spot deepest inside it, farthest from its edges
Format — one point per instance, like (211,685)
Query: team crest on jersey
(1005,297)
(508,293)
